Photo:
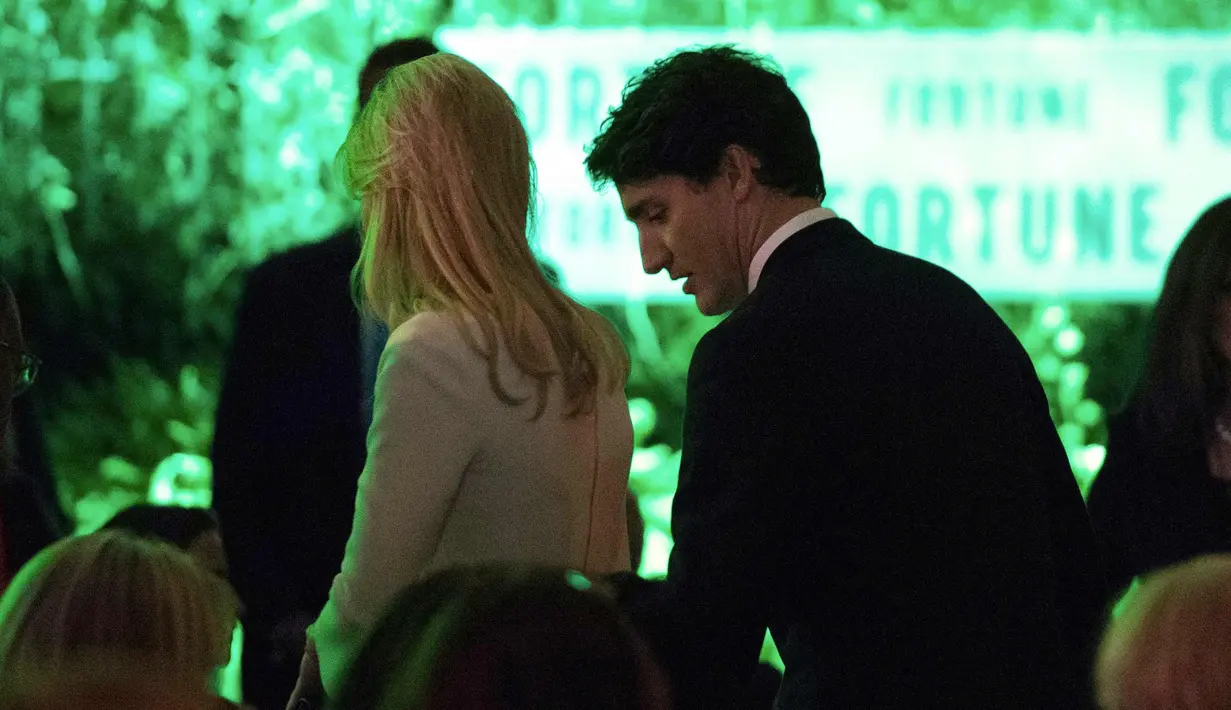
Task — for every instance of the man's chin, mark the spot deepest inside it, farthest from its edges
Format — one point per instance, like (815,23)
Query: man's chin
(711,308)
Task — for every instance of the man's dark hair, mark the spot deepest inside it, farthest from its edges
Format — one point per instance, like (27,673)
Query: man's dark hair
(680,115)
(388,56)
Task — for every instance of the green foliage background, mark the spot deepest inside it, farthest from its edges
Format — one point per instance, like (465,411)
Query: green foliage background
(153,150)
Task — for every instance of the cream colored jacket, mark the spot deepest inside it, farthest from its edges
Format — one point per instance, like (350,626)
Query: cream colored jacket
(455,476)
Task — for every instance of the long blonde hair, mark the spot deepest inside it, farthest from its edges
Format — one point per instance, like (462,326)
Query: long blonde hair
(112,595)
(441,162)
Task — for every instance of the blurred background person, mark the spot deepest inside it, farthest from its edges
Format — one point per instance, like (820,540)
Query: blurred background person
(29,519)
(292,414)
(193,530)
(1170,648)
(114,597)
(1163,494)
(196,532)
(503,637)
(501,431)
(104,684)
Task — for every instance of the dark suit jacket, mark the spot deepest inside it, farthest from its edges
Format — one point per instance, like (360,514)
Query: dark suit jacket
(870,469)
(1154,504)
(289,441)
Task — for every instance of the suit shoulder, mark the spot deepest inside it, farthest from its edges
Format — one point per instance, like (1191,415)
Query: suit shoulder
(738,341)
(335,254)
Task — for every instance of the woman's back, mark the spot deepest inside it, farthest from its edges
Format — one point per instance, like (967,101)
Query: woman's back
(457,476)
(546,490)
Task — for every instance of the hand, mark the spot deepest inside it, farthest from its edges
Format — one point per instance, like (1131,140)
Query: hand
(287,638)
(606,587)
(309,690)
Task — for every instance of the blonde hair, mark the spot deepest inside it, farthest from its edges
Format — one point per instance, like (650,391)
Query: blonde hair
(1170,647)
(105,684)
(442,163)
(111,595)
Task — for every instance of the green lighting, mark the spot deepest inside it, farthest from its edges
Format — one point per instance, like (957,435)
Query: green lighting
(1053,317)
(154,151)
(578,581)
(1069,341)
(184,480)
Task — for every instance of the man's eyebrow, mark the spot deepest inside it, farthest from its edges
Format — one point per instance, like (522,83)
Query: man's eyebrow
(638,209)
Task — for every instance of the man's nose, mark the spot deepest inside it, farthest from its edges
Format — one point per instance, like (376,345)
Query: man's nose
(653,255)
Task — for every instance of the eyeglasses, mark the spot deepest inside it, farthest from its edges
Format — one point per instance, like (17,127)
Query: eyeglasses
(27,368)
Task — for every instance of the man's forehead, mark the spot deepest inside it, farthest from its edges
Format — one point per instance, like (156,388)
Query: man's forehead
(633,192)
(635,196)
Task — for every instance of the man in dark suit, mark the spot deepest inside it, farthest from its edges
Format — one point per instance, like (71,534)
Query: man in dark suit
(869,468)
(289,438)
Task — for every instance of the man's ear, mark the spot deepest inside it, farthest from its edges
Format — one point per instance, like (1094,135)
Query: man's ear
(739,169)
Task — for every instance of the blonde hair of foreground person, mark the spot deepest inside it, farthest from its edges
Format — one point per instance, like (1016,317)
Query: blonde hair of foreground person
(111,597)
(441,162)
(106,684)
(1170,646)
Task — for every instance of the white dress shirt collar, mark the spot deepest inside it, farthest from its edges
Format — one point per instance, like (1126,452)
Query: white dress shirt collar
(795,225)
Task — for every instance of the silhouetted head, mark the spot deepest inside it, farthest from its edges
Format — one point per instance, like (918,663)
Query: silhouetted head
(112,595)
(388,56)
(1170,646)
(193,530)
(503,638)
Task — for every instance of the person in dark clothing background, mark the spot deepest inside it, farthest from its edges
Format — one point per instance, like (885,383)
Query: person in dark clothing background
(29,519)
(1163,494)
(289,438)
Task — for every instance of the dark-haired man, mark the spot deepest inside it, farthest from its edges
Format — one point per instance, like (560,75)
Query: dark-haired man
(289,439)
(869,467)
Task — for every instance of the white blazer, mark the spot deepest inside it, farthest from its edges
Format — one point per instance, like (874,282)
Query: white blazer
(456,476)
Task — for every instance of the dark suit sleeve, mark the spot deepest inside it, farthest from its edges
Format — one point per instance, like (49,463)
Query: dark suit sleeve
(708,620)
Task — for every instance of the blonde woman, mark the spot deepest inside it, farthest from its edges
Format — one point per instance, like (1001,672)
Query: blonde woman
(500,428)
(111,598)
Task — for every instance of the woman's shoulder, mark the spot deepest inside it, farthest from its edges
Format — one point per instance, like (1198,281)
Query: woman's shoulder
(433,341)
(437,331)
